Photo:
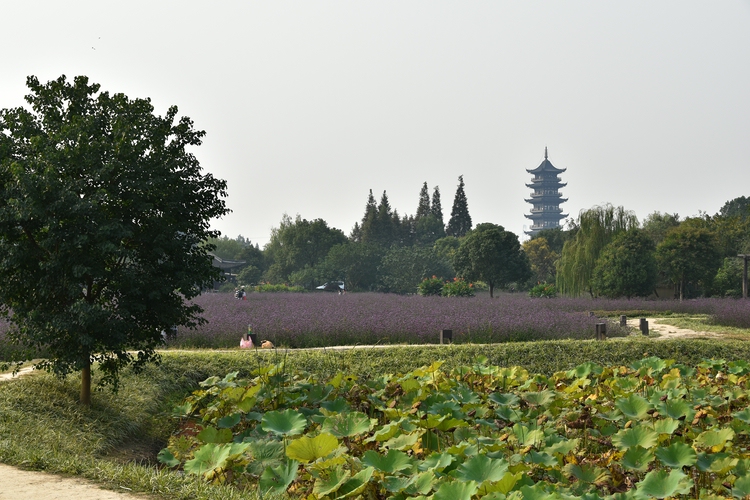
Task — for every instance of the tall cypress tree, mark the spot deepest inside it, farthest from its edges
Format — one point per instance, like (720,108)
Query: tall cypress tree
(460,221)
(423,209)
(437,208)
(369,226)
(385,232)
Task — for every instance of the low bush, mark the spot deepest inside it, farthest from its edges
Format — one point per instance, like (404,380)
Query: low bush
(458,288)
(543,290)
(430,286)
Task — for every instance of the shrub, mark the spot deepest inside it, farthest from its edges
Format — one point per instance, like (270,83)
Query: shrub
(458,288)
(546,290)
(430,286)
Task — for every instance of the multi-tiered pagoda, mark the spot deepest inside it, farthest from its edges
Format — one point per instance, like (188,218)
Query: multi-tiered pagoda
(546,198)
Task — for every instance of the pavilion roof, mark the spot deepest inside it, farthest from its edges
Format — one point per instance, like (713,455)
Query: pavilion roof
(546,166)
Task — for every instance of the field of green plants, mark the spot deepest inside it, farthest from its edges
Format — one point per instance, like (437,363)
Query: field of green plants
(116,441)
(655,429)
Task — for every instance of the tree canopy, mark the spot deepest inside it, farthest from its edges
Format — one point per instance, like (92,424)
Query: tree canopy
(103,212)
(626,267)
(689,255)
(596,228)
(491,254)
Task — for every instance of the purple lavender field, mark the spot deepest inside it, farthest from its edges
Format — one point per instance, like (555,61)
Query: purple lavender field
(323,319)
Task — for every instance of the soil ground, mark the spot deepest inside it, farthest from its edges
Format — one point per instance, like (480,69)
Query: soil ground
(21,484)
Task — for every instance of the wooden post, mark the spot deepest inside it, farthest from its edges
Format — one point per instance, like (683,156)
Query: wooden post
(623,320)
(601,331)
(446,336)
(644,326)
(744,274)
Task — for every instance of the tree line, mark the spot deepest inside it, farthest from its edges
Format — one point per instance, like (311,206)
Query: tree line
(606,252)
(385,251)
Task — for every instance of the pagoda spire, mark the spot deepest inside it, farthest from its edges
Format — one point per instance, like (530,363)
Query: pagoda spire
(545,152)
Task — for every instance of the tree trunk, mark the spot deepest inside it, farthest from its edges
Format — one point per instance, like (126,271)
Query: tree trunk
(682,286)
(492,287)
(86,382)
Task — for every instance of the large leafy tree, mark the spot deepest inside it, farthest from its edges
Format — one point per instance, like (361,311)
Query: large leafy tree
(103,212)
(403,268)
(460,222)
(491,254)
(689,255)
(596,228)
(298,244)
(626,266)
(541,258)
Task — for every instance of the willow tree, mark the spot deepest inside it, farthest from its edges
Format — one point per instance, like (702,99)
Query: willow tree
(597,227)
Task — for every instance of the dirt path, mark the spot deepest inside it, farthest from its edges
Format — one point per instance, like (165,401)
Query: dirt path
(667,331)
(17,484)
(20,484)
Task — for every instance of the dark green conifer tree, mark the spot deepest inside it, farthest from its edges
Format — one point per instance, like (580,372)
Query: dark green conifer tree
(423,209)
(460,221)
(437,207)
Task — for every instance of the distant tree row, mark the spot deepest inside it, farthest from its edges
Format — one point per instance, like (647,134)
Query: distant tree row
(607,252)
(385,251)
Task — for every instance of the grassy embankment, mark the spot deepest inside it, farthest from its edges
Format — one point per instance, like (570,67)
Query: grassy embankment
(115,441)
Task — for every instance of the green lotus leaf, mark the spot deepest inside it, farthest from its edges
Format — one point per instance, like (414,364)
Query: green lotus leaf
(587,473)
(449,408)
(284,423)
(246,404)
(385,433)
(634,407)
(347,424)
(431,421)
(741,487)
(504,399)
(666,426)
(213,435)
(456,490)
(355,484)
(638,435)
(675,408)
(397,484)
(507,413)
(265,454)
(338,405)
(739,367)
(423,484)
(506,483)
(660,484)
(541,398)
(436,461)
(167,458)
(563,447)
(584,370)
(480,468)
(543,459)
(714,439)
(403,441)
(207,458)
(526,436)
(649,366)
(677,455)
(335,477)
(306,449)
(277,479)
(637,458)
(391,463)
(451,423)
(229,421)
(538,491)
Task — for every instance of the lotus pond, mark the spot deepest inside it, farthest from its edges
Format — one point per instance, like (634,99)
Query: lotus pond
(654,429)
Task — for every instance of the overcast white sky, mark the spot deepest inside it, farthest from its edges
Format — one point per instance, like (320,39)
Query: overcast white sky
(308,105)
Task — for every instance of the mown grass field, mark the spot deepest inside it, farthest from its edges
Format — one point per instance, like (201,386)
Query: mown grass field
(115,441)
